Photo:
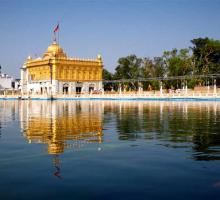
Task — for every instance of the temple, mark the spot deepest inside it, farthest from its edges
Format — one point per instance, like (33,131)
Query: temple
(56,73)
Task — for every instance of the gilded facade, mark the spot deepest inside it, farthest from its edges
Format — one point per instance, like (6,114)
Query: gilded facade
(56,73)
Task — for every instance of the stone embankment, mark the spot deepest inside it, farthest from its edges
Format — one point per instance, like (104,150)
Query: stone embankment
(153,95)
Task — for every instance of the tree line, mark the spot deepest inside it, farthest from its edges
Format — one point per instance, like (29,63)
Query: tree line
(201,58)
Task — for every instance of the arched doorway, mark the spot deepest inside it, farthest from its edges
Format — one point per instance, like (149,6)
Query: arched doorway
(91,87)
(65,88)
(78,87)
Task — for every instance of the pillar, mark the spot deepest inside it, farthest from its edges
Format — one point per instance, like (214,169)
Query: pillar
(139,88)
(186,89)
(161,87)
(120,88)
(208,87)
(215,86)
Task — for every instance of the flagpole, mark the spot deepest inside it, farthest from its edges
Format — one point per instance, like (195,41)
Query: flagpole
(58,33)
(54,36)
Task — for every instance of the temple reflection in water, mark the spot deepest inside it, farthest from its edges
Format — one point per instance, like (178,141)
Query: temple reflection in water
(61,125)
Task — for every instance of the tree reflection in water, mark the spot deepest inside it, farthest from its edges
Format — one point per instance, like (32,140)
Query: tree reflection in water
(173,124)
(73,124)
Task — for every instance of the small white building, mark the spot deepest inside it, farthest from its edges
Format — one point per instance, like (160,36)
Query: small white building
(5,82)
(8,82)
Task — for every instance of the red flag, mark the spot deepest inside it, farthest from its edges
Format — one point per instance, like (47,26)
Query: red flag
(56,28)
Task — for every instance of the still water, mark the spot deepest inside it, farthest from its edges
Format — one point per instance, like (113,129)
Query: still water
(109,150)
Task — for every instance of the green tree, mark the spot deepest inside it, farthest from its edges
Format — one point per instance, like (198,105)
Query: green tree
(129,67)
(178,63)
(207,55)
(148,68)
(153,69)
(107,76)
(160,67)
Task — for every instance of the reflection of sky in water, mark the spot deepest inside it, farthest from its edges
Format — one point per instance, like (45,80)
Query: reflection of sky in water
(130,148)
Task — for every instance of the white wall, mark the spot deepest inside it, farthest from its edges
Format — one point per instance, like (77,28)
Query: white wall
(57,86)
(5,82)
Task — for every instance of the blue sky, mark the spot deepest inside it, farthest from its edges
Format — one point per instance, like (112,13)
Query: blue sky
(112,28)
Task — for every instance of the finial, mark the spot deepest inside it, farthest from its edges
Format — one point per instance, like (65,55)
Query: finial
(54,39)
(29,58)
(99,57)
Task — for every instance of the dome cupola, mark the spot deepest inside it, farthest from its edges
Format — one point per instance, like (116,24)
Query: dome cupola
(54,50)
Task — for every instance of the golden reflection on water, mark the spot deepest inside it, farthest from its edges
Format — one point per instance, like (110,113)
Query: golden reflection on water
(73,124)
(61,125)
(56,123)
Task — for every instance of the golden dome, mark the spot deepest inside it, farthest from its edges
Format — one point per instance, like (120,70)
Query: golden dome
(55,148)
(54,50)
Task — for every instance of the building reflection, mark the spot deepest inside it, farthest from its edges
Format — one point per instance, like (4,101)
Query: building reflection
(61,125)
(57,165)
(8,112)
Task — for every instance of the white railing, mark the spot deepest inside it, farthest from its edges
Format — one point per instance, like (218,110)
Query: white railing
(117,95)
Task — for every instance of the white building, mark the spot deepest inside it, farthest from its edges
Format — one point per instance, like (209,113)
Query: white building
(5,82)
